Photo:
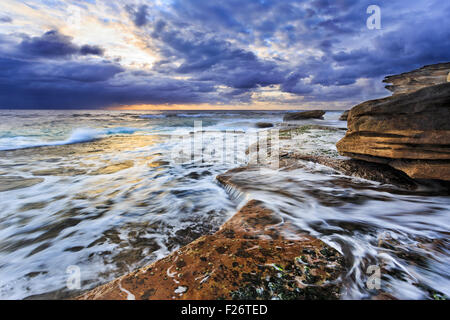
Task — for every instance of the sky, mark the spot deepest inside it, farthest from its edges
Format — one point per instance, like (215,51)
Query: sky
(215,54)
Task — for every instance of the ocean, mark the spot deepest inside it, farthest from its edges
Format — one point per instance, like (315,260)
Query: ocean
(106,192)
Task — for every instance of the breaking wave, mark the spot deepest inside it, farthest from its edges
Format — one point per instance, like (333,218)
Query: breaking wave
(78,135)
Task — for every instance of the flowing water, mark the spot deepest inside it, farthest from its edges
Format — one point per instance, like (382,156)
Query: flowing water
(103,191)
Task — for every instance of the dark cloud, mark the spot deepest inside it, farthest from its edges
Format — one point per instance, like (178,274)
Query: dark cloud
(293,84)
(138,14)
(211,45)
(85,72)
(373,54)
(62,82)
(53,44)
(91,50)
(210,58)
(50,44)
(225,51)
(6,19)
(32,85)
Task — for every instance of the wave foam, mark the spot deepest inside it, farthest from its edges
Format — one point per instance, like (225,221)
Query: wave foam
(79,135)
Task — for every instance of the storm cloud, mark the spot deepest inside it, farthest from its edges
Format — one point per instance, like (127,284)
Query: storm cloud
(53,44)
(287,53)
(6,20)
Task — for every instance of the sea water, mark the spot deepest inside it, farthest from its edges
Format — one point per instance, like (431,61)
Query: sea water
(104,193)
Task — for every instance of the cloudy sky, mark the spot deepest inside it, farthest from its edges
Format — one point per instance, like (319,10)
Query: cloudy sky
(248,54)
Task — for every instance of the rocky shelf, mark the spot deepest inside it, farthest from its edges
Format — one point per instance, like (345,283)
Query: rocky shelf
(248,258)
(256,255)
(409,132)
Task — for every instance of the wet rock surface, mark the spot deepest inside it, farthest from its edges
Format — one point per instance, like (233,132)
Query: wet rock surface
(292,156)
(342,211)
(8,183)
(250,257)
(314,114)
(362,169)
(264,125)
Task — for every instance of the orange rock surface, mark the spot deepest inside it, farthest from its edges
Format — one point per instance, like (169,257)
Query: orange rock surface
(250,257)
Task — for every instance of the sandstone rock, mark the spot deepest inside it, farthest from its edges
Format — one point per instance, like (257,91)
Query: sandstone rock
(113,168)
(249,252)
(362,169)
(410,132)
(60,171)
(417,79)
(264,125)
(313,114)
(344,116)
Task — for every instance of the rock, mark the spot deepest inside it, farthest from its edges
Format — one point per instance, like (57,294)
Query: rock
(295,128)
(313,114)
(410,132)
(344,116)
(8,183)
(264,125)
(362,169)
(60,171)
(248,258)
(381,173)
(113,168)
(226,178)
(417,79)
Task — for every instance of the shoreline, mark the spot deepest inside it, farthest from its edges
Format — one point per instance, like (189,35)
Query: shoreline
(316,147)
(248,258)
(250,228)
(188,272)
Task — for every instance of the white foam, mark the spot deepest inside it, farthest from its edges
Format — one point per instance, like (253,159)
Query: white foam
(78,135)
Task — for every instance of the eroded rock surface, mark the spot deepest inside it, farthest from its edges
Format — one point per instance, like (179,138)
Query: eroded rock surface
(362,169)
(344,115)
(248,258)
(417,79)
(409,132)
